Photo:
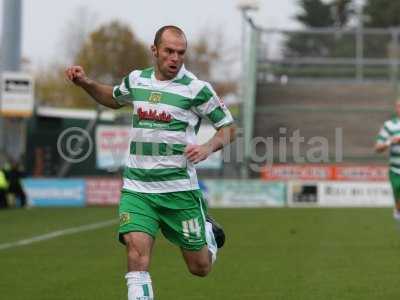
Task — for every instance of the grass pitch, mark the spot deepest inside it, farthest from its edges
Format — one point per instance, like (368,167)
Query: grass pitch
(270,254)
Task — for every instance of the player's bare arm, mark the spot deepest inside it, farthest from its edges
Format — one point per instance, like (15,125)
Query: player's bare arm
(223,137)
(381,147)
(102,94)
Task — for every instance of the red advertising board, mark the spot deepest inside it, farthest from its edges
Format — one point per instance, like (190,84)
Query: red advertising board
(325,172)
(297,172)
(361,173)
(103,191)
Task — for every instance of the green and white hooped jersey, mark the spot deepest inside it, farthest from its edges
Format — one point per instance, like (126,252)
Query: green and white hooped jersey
(166,117)
(390,129)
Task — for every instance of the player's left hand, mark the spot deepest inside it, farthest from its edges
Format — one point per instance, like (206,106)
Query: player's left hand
(197,153)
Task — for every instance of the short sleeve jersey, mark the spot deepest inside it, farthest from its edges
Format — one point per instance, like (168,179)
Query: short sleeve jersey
(166,118)
(390,129)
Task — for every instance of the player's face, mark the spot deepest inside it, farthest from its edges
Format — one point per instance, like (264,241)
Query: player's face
(169,54)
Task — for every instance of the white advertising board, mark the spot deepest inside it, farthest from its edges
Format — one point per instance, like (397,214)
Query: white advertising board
(355,194)
(112,146)
(244,193)
(17,94)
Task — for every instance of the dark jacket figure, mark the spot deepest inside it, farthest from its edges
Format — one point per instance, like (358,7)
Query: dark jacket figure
(3,189)
(14,176)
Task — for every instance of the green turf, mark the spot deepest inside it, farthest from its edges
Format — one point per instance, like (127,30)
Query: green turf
(270,254)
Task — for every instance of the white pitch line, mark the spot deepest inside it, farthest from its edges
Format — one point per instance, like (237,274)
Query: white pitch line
(57,233)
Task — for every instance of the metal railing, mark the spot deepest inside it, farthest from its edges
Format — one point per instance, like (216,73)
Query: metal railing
(359,54)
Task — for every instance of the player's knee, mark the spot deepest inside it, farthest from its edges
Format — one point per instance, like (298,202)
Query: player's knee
(139,260)
(201,269)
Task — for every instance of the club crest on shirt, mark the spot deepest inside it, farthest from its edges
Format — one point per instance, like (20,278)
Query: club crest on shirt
(155,97)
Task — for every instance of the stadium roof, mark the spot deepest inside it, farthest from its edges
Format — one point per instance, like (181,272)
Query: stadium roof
(69,113)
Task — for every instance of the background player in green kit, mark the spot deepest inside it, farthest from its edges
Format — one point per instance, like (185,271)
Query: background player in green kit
(389,138)
(160,189)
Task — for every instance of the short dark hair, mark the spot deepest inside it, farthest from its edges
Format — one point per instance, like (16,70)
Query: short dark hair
(159,33)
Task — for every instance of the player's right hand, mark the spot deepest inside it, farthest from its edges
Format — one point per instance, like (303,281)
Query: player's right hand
(395,140)
(76,74)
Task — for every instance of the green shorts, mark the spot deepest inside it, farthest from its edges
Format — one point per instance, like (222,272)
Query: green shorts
(180,215)
(395,182)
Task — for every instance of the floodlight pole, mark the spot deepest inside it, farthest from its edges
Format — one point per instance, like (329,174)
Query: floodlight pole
(11,36)
(10,51)
(245,6)
(360,43)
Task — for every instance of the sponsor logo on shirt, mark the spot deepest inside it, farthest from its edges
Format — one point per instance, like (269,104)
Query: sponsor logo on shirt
(154,115)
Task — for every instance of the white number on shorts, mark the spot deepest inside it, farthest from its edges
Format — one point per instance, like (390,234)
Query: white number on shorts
(191,226)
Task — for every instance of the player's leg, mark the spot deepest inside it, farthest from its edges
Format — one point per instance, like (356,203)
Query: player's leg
(139,246)
(395,183)
(188,228)
(3,200)
(138,227)
(21,195)
(217,230)
(396,210)
(200,262)
(189,235)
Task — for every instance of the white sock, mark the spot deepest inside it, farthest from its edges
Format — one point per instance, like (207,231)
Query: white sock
(139,286)
(211,243)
